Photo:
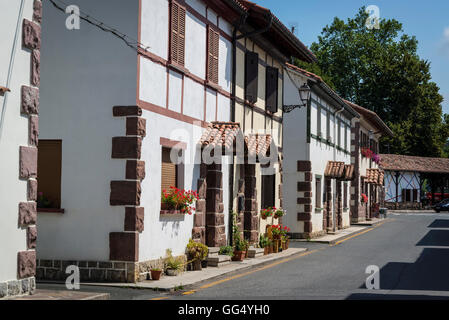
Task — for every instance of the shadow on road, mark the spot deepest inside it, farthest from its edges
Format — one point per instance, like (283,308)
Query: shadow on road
(428,273)
(439,224)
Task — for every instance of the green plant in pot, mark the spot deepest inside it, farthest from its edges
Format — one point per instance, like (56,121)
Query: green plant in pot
(173,266)
(197,252)
(264,243)
(226,251)
(156,273)
(240,248)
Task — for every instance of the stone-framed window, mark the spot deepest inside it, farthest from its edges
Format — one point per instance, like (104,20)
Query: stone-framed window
(49,171)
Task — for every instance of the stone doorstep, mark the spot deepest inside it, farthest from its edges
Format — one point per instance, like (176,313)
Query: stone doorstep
(255,252)
(194,278)
(217,260)
(63,295)
(214,250)
(372,222)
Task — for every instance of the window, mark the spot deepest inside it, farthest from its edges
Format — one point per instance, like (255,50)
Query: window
(318,126)
(177,34)
(318,192)
(339,133)
(409,195)
(272,89)
(169,171)
(345,195)
(251,76)
(346,137)
(268,191)
(49,173)
(213,55)
(328,125)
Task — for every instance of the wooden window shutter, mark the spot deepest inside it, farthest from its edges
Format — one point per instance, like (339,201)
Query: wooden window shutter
(272,89)
(213,55)
(178,34)
(268,191)
(251,76)
(415,195)
(49,167)
(168,175)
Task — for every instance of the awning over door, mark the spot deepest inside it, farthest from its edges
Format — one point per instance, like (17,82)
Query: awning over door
(339,170)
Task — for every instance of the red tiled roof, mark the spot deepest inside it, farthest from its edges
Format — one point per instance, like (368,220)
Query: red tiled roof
(374,176)
(394,162)
(220,134)
(282,32)
(258,144)
(349,172)
(372,117)
(339,170)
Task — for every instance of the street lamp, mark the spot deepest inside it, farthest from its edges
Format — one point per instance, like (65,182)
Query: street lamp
(304,94)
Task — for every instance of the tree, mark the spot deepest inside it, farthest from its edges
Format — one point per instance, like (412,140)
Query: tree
(380,70)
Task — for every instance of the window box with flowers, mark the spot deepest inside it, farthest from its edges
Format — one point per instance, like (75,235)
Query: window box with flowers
(177,202)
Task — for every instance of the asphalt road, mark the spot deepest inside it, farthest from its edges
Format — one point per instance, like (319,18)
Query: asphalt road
(411,251)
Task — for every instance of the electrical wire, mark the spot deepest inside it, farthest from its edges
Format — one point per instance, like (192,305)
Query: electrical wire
(129,41)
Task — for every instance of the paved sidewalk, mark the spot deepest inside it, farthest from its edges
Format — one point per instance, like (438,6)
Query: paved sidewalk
(372,222)
(196,277)
(333,238)
(64,295)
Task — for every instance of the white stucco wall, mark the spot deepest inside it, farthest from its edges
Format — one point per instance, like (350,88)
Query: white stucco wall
(84,73)
(407,180)
(319,153)
(14,134)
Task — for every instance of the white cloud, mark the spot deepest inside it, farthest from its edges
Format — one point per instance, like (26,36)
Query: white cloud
(445,42)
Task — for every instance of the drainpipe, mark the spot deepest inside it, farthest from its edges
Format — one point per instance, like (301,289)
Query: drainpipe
(334,198)
(235,38)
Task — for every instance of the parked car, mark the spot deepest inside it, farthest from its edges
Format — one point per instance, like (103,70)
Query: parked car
(442,206)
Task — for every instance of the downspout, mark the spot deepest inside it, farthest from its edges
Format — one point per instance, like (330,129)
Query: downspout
(11,66)
(334,198)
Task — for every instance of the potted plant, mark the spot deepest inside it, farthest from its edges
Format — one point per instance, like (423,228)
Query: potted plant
(179,201)
(266,213)
(264,243)
(197,252)
(239,249)
(156,274)
(226,251)
(364,198)
(278,213)
(173,266)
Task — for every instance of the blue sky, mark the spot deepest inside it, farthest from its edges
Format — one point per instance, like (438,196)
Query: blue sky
(427,20)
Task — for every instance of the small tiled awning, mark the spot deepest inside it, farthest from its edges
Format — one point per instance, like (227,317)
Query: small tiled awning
(374,176)
(339,170)
(349,172)
(221,135)
(258,144)
(335,169)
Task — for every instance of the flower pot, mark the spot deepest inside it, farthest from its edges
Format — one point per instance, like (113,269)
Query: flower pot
(238,256)
(266,251)
(275,247)
(204,264)
(156,274)
(287,244)
(197,265)
(172,272)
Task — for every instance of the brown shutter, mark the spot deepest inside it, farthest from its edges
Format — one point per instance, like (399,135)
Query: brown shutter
(268,191)
(49,171)
(178,30)
(415,195)
(213,55)
(168,171)
(272,89)
(251,76)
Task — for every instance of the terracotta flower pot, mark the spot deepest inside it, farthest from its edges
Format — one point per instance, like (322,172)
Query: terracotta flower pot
(238,256)
(275,247)
(266,251)
(156,274)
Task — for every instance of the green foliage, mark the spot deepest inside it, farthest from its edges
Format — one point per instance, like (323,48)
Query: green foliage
(172,262)
(380,70)
(264,241)
(238,243)
(226,251)
(197,251)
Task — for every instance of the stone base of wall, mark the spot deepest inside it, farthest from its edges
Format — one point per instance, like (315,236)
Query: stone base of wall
(16,288)
(92,271)
(403,205)
(100,271)
(306,235)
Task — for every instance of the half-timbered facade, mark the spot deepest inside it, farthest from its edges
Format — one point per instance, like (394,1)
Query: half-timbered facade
(367,191)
